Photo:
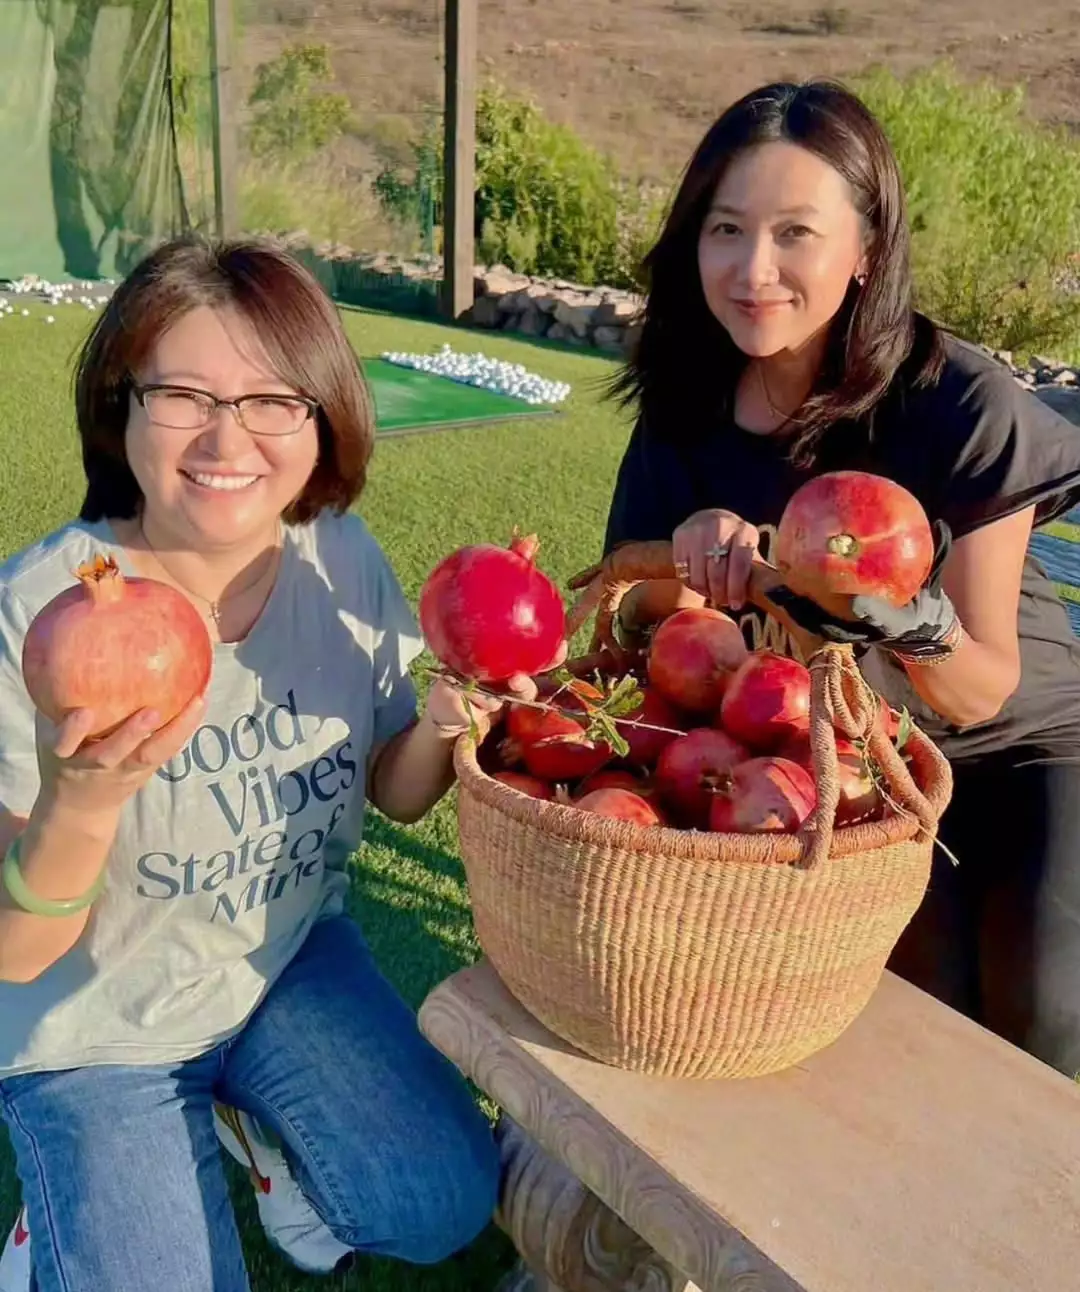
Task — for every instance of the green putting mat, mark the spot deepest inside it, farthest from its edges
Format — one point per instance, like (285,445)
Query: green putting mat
(409,400)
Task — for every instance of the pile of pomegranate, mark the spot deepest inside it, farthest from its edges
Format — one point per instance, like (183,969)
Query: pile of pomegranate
(705,734)
(718,740)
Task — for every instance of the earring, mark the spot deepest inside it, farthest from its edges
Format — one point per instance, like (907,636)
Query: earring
(861,279)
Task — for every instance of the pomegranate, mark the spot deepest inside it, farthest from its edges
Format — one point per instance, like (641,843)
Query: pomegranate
(565,758)
(766,701)
(690,769)
(850,533)
(531,785)
(115,645)
(487,612)
(623,805)
(859,796)
(763,794)
(692,654)
(554,746)
(619,778)
(646,743)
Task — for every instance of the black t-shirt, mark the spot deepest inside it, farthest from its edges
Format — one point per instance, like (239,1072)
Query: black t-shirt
(973,448)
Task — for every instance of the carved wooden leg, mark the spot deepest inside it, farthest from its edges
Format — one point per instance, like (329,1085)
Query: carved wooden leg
(569,1241)
(522,1279)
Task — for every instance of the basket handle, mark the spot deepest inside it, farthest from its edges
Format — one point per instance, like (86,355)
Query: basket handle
(841,701)
(602,587)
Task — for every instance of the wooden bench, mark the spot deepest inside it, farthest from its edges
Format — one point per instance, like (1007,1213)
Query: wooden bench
(918,1154)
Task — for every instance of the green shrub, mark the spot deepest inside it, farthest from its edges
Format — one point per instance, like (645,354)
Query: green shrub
(994,201)
(546,202)
(292,118)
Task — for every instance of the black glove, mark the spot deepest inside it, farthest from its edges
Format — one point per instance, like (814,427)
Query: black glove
(923,629)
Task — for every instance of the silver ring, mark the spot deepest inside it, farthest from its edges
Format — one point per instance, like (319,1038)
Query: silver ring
(682,569)
(718,551)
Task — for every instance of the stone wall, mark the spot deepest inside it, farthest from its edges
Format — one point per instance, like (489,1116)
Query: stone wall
(600,318)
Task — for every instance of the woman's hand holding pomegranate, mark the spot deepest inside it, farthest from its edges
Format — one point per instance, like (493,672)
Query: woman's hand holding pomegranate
(714,551)
(451,709)
(927,628)
(97,777)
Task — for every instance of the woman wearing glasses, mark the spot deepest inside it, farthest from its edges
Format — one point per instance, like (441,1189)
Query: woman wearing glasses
(215,988)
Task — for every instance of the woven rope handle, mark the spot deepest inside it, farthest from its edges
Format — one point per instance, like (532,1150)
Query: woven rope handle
(840,699)
(602,587)
(842,702)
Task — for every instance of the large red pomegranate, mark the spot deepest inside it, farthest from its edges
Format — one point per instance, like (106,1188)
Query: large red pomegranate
(691,768)
(115,645)
(767,700)
(646,741)
(763,794)
(554,746)
(531,785)
(623,805)
(850,533)
(692,654)
(487,612)
(860,799)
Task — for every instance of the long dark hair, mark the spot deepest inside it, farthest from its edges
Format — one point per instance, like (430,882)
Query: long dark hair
(672,372)
(293,318)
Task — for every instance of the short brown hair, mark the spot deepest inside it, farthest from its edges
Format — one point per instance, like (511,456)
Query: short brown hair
(294,319)
(685,362)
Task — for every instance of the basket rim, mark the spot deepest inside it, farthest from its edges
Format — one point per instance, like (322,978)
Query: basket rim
(574,826)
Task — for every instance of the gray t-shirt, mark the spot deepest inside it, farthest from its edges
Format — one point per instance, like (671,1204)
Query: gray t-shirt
(233,850)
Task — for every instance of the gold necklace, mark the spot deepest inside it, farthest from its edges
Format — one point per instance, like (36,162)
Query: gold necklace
(214,607)
(768,398)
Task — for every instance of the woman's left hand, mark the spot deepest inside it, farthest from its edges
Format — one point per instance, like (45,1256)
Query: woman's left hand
(925,629)
(449,705)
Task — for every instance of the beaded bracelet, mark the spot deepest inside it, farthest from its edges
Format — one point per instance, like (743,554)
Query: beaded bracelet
(25,898)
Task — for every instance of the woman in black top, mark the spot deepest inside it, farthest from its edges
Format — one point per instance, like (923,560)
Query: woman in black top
(780,341)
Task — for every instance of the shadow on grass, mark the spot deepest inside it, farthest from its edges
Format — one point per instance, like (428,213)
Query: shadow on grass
(416,917)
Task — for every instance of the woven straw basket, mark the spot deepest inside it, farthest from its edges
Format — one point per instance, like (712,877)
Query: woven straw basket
(703,955)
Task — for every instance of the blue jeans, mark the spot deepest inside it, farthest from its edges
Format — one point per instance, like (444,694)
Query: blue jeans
(121,1170)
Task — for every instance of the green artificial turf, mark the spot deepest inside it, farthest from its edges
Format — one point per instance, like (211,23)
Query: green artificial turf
(407,400)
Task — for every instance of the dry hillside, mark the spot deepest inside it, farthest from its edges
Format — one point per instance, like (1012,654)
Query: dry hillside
(641,78)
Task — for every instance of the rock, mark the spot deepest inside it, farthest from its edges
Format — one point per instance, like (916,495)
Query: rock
(617,311)
(608,338)
(485,312)
(575,317)
(533,322)
(631,336)
(557,332)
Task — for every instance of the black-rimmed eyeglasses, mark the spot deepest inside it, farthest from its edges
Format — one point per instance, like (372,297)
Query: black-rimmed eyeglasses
(183,408)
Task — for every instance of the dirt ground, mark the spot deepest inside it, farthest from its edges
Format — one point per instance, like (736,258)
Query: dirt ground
(643,78)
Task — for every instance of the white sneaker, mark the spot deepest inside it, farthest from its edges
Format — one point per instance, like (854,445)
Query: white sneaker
(15,1273)
(291,1222)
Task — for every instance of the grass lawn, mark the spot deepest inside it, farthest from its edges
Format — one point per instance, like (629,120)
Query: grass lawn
(427,494)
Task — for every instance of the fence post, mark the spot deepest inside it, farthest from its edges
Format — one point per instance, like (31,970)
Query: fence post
(459,156)
(223,110)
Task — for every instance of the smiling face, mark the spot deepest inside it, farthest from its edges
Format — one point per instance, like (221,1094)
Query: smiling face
(219,486)
(778,249)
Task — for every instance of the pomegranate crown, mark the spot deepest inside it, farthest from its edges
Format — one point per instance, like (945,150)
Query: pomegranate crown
(526,546)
